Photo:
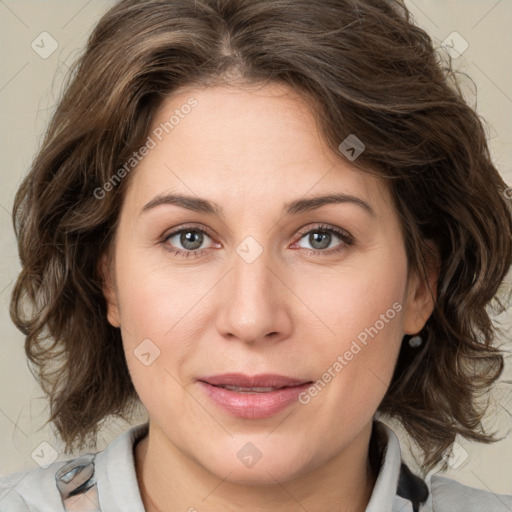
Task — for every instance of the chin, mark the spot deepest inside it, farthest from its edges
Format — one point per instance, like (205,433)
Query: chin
(249,466)
(263,476)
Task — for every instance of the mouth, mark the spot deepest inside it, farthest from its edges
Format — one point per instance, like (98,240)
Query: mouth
(240,389)
(253,397)
(262,383)
(267,380)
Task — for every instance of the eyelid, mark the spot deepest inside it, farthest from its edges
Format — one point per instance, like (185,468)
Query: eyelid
(342,233)
(193,227)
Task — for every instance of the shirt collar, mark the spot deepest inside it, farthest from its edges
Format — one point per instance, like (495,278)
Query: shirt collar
(396,489)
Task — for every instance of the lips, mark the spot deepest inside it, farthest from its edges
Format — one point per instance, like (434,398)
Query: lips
(252,397)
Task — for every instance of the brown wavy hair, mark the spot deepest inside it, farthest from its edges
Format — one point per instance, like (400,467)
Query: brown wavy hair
(367,70)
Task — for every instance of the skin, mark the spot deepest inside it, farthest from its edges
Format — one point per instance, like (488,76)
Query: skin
(291,311)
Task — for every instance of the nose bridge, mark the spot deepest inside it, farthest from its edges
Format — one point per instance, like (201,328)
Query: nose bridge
(254,304)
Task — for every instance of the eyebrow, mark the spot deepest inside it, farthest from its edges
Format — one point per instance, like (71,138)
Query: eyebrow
(296,207)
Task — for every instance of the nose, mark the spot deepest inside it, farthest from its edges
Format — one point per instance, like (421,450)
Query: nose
(254,305)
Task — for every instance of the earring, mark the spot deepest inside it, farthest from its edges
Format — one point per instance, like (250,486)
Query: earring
(415,341)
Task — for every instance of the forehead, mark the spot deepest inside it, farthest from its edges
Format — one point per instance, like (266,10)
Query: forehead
(259,140)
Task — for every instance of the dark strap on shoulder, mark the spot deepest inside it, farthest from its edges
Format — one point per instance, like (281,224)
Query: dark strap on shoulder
(411,487)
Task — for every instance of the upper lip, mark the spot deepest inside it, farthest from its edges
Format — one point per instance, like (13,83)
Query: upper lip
(267,380)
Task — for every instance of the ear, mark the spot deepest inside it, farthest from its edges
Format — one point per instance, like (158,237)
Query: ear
(421,293)
(109,290)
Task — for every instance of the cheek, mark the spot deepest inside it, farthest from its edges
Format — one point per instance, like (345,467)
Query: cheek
(344,302)
(155,311)
(156,338)
(357,342)
(154,298)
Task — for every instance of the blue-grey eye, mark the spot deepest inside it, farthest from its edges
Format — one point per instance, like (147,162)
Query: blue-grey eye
(189,239)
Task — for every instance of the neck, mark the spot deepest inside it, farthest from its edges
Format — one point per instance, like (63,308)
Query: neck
(341,484)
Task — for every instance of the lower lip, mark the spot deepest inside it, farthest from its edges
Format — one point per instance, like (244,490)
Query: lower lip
(254,405)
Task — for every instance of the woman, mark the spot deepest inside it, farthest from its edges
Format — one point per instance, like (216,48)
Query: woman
(270,222)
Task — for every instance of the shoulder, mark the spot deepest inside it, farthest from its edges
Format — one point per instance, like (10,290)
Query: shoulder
(448,495)
(52,488)
(95,481)
(434,493)
(22,491)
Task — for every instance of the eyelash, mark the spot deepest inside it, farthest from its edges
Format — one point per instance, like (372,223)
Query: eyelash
(344,236)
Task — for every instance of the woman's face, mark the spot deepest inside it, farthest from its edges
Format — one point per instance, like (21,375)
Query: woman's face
(253,275)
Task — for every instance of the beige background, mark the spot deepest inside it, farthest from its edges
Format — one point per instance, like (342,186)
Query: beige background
(29,89)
